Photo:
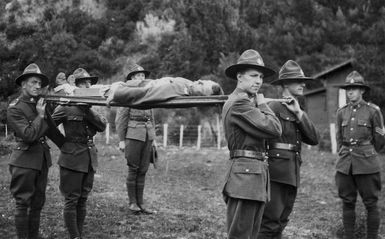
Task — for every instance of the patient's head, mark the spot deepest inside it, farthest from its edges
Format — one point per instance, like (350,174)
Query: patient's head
(205,88)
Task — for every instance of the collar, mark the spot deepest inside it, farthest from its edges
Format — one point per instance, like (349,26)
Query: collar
(243,93)
(357,104)
(28,99)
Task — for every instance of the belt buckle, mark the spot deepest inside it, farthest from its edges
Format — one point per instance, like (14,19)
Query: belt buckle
(353,143)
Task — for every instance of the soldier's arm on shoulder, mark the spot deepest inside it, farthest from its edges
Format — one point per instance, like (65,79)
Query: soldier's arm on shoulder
(121,122)
(260,122)
(29,131)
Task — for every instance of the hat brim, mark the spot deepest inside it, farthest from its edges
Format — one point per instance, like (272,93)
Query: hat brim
(146,73)
(44,78)
(344,86)
(288,80)
(94,79)
(232,71)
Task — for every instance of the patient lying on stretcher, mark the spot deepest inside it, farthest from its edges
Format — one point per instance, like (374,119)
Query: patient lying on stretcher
(136,92)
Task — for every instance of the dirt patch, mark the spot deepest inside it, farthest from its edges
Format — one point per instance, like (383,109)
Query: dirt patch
(185,192)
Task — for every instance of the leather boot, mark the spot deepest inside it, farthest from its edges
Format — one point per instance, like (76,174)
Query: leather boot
(34,224)
(349,219)
(81,216)
(131,185)
(70,221)
(21,223)
(140,180)
(372,222)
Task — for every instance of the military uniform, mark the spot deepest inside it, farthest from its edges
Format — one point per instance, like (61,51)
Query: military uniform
(360,134)
(31,158)
(29,163)
(246,126)
(284,168)
(285,155)
(358,166)
(137,129)
(77,161)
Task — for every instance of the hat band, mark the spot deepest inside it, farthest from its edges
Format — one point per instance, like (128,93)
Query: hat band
(291,75)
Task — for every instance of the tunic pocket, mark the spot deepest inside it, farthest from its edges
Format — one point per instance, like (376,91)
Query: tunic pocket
(247,169)
(364,128)
(370,153)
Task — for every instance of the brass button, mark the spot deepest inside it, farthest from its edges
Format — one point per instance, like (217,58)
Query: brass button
(350,150)
(277,154)
(247,170)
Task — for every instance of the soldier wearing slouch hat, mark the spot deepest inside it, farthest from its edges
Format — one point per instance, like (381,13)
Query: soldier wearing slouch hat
(248,123)
(31,158)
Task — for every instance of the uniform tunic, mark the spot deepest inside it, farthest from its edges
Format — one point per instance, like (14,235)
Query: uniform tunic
(358,123)
(284,168)
(80,126)
(246,183)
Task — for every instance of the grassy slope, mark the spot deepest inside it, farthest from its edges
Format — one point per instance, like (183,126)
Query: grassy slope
(185,191)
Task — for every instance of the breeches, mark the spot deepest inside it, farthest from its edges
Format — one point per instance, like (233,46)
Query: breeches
(138,160)
(367,185)
(28,187)
(75,187)
(277,210)
(243,218)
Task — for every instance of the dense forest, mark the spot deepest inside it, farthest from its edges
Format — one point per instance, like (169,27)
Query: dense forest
(189,38)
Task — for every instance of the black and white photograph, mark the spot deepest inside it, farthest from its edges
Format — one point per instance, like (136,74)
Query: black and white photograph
(192,119)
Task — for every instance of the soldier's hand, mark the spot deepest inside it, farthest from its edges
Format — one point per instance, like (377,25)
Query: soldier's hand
(259,99)
(40,107)
(122,145)
(293,106)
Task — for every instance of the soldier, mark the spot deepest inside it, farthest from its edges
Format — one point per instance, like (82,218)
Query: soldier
(360,132)
(78,158)
(248,122)
(285,151)
(136,134)
(30,160)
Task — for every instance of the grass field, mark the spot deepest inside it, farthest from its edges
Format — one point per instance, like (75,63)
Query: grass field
(185,192)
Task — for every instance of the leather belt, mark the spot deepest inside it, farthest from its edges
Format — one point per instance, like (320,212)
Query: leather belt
(290,147)
(79,140)
(40,140)
(357,143)
(247,154)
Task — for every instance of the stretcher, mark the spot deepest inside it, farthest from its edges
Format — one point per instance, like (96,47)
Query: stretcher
(177,102)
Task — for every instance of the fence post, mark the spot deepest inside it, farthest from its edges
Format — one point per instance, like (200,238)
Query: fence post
(165,129)
(333,139)
(108,133)
(6,131)
(218,132)
(181,136)
(199,137)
